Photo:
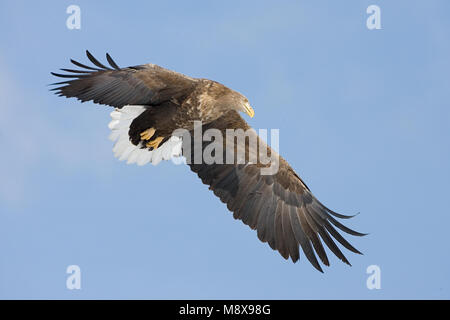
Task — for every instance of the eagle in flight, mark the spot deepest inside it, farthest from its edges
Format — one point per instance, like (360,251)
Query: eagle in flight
(151,102)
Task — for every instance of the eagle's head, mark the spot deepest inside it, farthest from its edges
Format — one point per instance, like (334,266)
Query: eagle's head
(239,102)
(245,107)
(217,100)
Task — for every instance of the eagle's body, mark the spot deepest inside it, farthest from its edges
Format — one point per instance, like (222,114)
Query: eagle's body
(152,102)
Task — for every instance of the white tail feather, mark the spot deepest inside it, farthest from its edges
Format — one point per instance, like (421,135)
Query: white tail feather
(123,148)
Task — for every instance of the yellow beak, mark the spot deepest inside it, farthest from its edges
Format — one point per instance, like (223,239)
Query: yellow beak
(249,110)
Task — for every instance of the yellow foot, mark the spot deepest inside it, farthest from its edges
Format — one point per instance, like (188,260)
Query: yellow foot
(147,134)
(154,143)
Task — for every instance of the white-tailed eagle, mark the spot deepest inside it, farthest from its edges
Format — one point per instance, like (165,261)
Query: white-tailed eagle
(151,102)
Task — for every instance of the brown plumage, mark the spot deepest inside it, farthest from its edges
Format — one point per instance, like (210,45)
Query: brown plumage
(279,206)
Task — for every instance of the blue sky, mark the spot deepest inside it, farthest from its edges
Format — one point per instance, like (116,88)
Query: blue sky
(364,119)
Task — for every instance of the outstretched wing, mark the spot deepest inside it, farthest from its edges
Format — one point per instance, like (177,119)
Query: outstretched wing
(146,84)
(279,206)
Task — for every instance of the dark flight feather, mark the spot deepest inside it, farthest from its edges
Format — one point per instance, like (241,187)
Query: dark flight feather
(141,85)
(83,66)
(95,61)
(111,62)
(289,218)
(75,71)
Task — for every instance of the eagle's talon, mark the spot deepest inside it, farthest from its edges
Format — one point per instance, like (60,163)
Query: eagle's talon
(147,134)
(154,143)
